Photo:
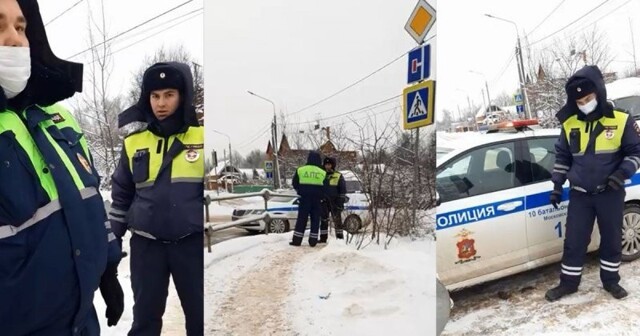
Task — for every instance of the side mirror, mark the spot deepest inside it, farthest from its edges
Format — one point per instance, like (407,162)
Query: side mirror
(297,201)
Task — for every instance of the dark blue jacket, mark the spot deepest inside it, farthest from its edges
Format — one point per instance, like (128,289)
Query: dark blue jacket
(49,271)
(167,211)
(310,191)
(590,170)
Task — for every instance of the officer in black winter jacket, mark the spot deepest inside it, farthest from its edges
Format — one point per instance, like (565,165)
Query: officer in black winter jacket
(309,182)
(333,203)
(598,149)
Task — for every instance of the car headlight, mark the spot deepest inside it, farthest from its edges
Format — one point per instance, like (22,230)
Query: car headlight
(258,212)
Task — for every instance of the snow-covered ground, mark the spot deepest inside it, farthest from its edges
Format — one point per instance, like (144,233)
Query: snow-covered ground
(260,285)
(516,306)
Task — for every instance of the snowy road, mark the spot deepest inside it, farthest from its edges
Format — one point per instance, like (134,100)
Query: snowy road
(516,306)
(260,285)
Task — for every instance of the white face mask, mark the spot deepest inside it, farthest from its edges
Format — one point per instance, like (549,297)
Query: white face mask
(589,107)
(15,69)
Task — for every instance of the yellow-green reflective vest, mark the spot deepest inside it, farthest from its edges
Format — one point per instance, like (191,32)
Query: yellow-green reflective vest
(608,141)
(311,175)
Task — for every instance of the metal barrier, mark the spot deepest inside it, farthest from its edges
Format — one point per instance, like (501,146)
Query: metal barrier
(266,194)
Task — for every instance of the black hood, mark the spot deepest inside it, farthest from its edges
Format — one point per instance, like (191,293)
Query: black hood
(52,79)
(593,74)
(141,111)
(315,159)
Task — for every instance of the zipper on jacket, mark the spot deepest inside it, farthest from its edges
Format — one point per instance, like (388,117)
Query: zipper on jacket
(166,147)
(159,147)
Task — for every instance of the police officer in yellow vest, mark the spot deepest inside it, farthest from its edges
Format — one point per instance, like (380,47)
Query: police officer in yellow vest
(158,195)
(56,246)
(309,183)
(333,203)
(598,149)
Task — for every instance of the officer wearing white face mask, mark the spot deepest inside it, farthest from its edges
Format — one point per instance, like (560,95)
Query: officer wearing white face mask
(56,245)
(598,149)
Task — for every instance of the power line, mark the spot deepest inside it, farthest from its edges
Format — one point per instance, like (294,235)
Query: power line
(152,35)
(255,138)
(63,13)
(546,17)
(504,69)
(602,17)
(354,83)
(571,23)
(382,102)
(133,28)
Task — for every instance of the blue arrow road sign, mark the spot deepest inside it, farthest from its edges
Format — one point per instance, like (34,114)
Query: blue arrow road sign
(269,175)
(519,108)
(419,66)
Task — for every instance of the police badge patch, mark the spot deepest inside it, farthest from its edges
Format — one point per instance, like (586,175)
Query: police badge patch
(192,155)
(57,118)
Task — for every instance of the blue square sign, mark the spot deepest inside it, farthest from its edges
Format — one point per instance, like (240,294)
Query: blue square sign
(417,101)
(419,67)
(519,108)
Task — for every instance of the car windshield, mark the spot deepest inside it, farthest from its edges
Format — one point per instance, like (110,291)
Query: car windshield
(630,104)
(353,186)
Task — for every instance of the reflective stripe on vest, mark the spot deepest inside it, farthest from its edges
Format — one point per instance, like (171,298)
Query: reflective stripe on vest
(608,141)
(311,175)
(334,179)
(42,214)
(187,166)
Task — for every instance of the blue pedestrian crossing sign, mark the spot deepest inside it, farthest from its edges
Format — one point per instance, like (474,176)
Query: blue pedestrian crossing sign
(268,166)
(419,67)
(418,105)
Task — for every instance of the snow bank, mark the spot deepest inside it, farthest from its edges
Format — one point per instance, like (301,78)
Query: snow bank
(342,291)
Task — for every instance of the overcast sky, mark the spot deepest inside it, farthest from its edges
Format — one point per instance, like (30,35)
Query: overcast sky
(296,53)
(468,40)
(69,35)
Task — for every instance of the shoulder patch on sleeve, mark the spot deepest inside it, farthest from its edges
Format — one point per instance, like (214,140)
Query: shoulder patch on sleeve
(636,127)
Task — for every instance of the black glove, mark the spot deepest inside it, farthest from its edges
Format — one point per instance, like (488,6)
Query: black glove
(556,196)
(112,294)
(616,180)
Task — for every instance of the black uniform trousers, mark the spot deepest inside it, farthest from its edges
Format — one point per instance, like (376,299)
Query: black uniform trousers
(152,262)
(333,209)
(607,207)
(308,207)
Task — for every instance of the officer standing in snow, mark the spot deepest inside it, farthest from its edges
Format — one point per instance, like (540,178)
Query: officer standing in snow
(598,149)
(309,181)
(157,194)
(56,246)
(333,203)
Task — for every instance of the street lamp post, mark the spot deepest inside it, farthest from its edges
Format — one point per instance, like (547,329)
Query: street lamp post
(521,73)
(229,138)
(274,135)
(486,85)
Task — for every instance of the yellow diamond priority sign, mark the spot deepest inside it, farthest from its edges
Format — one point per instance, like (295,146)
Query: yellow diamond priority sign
(422,19)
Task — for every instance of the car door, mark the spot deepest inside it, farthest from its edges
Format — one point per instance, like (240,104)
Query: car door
(546,226)
(480,219)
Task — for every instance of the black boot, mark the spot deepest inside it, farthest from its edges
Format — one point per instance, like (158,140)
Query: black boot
(616,291)
(558,292)
(294,244)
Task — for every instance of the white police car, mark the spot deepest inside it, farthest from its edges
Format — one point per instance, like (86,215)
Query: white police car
(494,218)
(354,216)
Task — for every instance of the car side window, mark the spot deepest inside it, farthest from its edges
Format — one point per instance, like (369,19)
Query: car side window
(542,157)
(480,171)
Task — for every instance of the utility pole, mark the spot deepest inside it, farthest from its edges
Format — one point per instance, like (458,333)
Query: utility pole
(520,62)
(633,45)
(274,136)
(488,96)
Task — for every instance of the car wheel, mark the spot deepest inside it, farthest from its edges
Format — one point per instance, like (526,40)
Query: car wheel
(278,226)
(631,233)
(352,224)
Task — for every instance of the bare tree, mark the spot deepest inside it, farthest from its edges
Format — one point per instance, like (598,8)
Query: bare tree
(387,174)
(503,99)
(96,111)
(254,159)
